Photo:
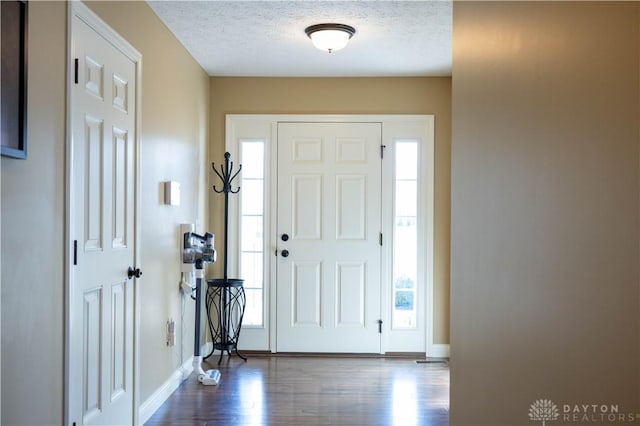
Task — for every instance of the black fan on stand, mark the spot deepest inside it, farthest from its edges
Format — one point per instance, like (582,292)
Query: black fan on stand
(226,299)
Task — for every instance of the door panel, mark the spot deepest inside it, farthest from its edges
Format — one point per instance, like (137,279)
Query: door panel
(306,206)
(350,294)
(92,401)
(351,207)
(329,202)
(306,294)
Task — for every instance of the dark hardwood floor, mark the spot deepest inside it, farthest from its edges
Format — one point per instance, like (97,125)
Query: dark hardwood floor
(294,390)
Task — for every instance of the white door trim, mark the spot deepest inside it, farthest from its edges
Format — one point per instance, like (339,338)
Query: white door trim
(267,125)
(78,9)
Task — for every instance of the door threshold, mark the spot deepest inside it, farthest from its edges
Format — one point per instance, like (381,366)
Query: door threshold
(433,361)
(417,356)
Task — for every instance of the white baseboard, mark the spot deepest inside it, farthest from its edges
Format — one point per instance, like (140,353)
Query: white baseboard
(438,351)
(151,405)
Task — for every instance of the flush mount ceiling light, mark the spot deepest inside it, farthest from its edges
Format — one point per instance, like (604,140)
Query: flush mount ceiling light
(330,37)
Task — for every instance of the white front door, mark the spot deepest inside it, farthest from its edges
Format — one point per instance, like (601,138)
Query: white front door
(101,312)
(328,230)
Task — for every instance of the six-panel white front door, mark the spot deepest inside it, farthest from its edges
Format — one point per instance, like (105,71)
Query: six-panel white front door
(328,227)
(102,296)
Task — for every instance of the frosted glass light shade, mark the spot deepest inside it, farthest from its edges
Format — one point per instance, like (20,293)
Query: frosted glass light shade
(330,37)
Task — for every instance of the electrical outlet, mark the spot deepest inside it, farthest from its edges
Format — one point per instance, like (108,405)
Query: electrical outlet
(171,333)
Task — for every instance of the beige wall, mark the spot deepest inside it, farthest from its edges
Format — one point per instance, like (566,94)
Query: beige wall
(350,96)
(32,236)
(174,134)
(175,117)
(545,294)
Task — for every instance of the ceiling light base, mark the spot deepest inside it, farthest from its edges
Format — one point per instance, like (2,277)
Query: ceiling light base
(330,37)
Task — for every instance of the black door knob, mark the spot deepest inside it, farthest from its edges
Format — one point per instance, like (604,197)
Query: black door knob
(285,237)
(285,253)
(134,273)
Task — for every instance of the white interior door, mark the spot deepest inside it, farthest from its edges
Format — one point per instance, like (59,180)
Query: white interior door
(328,227)
(101,311)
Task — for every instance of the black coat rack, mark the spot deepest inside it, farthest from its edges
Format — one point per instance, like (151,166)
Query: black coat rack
(226,298)
(225,174)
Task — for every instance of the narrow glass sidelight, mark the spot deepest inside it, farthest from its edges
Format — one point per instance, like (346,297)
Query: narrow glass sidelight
(405,234)
(252,230)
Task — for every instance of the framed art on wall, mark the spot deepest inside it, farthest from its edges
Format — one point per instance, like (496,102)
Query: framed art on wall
(13,88)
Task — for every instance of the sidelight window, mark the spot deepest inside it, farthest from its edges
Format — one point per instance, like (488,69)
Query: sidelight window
(252,230)
(405,234)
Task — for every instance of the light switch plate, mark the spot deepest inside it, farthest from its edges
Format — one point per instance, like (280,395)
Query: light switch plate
(172,193)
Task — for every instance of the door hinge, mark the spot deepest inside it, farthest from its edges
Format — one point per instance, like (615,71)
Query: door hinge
(380,239)
(379,326)
(75,78)
(382,147)
(75,252)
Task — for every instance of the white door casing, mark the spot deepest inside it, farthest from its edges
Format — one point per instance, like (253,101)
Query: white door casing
(395,128)
(102,223)
(329,177)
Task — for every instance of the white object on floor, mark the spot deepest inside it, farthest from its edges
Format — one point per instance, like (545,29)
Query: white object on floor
(211,377)
(207,378)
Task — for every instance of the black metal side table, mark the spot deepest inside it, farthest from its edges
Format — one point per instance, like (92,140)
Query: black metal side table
(225,302)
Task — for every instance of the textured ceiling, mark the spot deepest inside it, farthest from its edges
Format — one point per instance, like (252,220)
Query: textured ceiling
(266,38)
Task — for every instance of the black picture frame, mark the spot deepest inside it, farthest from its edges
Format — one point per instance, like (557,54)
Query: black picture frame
(13,88)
